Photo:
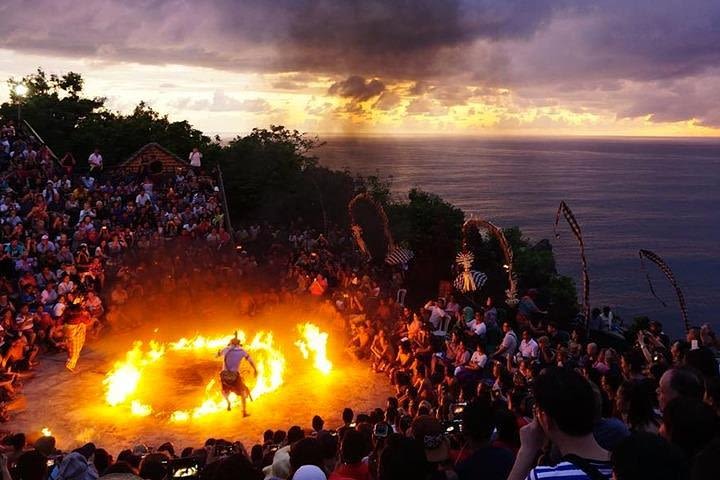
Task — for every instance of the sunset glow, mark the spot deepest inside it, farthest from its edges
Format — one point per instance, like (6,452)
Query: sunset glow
(480,68)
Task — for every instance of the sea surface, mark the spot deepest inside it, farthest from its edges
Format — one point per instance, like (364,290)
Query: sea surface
(658,194)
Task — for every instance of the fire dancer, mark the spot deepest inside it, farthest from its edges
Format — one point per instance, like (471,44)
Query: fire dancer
(75,329)
(230,378)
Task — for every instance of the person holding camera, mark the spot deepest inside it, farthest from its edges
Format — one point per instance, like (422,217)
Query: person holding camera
(478,458)
(564,415)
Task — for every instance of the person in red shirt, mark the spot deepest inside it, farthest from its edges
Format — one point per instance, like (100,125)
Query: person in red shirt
(75,330)
(318,286)
(352,451)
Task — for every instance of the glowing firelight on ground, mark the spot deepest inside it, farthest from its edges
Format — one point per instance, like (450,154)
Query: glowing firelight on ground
(123,380)
(140,409)
(270,364)
(314,342)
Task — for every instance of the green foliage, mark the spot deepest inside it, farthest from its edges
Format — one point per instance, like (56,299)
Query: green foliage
(534,266)
(270,176)
(561,296)
(425,221)
(379,188)
(432,229)
(69,122)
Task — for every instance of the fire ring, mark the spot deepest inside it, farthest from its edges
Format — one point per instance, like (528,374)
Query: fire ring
(124,382)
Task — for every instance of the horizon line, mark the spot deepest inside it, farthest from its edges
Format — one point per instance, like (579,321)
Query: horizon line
(429,135)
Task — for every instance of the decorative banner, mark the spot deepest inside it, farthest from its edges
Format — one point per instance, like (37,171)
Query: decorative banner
(657,260)
(395,255)
(469,281)
(465,259)
(511,292)
(575,227)
(465,282)
(357,235)
(399,256)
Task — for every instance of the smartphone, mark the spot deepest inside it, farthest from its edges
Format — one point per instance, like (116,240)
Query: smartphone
(223,450)
(381,430)
(184,472)
(184,467)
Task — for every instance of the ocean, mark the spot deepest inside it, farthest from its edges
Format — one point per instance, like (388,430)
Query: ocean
(658,194)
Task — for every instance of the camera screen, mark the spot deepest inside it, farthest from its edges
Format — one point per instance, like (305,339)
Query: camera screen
(186,472)
(458,408)
(185,467)
(224,450)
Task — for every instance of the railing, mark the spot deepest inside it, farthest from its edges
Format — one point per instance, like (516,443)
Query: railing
(37,135)
(226,208)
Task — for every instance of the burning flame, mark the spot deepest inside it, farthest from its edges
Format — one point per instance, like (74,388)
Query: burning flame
(179,416)
(269,361)
(122,381)
(315,341)
(140,409)
(46,432)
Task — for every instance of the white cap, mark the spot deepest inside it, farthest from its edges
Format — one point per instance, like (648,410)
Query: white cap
(309,472)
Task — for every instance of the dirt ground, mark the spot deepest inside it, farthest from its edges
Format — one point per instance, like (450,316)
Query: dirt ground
(72,405)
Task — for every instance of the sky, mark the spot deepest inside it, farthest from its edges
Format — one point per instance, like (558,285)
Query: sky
(391,67)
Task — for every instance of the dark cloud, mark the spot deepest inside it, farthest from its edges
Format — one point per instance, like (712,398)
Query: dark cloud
(387,101)
(590,54)
(287,85)
(313,108)
(418,88)
(452,95)
(353,109)
(425,106)
(293,81)
(357,88)
(641,40)
(224,103)
(390,39)
(400,39)
(675,101)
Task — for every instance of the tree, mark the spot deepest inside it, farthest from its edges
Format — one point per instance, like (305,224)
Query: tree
(271,176)
(535,268)
(53,107)
(432,229)
(70,122)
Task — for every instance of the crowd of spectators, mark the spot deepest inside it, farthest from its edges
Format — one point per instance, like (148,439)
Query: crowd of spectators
(70,239)
(566,435)
(479,391)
